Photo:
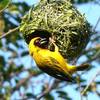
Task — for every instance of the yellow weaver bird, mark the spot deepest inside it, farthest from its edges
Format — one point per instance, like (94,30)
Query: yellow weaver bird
(52,62)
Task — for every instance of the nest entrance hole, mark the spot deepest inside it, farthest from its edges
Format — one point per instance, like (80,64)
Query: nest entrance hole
(39,33)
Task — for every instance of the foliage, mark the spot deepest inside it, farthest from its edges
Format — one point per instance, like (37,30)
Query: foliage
(18,73)
(81,1)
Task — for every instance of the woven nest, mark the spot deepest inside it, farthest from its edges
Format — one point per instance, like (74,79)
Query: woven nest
(60,20)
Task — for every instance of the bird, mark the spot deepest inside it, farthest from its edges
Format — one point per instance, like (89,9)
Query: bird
(51,61)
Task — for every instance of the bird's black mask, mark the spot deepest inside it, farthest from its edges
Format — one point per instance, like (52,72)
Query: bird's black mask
(42,43)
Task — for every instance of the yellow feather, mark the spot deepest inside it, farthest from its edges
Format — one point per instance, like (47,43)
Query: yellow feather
(52,62)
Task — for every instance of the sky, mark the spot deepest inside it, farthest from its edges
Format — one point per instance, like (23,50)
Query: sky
(88,10)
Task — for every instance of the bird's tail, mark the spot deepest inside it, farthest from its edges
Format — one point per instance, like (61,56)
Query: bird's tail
(82,67)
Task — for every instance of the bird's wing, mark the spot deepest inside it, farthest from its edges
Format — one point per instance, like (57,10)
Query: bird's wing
(56,70)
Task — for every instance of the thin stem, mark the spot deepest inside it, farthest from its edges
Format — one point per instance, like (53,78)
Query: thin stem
(5,7)
(79,85)
(47,90)
(98,21)
(86,88)
(9,32)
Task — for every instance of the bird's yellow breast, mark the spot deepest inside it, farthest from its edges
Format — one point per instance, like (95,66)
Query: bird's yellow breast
(44,58)
(52,62)
(51,59)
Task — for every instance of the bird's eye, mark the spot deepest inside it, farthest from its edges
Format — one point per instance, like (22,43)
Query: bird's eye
(36,42)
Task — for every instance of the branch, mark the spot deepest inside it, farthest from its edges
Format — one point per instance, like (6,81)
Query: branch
(23,81)
(97,47)
(97,23)
(79,85)
(86,88)
(9,32)
(95,56)
(50,88)
(5,7)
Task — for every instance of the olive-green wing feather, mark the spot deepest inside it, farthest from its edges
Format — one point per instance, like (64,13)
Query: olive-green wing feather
(54,69)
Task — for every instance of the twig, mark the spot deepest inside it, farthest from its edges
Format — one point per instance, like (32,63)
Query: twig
(5,7)
(86,88)
(52,86)
(23,81)
(97,23)
(97,47)
(98,93)
(95,57)
(79,85)
(45,92)
(9,32)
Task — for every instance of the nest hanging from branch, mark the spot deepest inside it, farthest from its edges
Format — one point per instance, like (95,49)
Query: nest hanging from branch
(62,21)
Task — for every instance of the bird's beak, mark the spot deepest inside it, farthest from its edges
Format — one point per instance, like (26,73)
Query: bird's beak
(43,41)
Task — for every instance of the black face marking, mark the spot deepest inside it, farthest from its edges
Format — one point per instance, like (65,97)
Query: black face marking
(41,42)
(36,42)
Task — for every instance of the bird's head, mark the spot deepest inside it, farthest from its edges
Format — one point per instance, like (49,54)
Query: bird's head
(39,42)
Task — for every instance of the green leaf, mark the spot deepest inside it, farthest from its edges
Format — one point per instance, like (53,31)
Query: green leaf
(81,1)
(0,44)
(49,97)
(24,53)
(2,61)
(63,94)
(3,3)
(30,95)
